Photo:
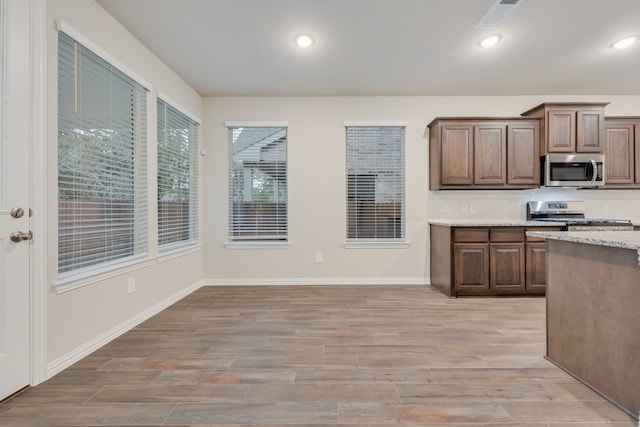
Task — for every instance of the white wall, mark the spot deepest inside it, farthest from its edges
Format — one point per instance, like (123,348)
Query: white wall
(82,319)
(316,165)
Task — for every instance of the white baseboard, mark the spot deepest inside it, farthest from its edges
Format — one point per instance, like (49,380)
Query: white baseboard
(84,350)
(418,281)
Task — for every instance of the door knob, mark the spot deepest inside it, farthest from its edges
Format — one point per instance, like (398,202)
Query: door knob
(19,236)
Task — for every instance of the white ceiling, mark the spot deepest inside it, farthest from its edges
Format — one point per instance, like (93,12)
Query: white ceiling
(389,47)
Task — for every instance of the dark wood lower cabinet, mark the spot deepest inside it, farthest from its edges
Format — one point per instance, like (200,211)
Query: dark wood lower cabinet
(507,267)
(536,267)
(471,267)
(475,261)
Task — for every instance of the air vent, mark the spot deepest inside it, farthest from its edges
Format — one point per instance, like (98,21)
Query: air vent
(498,13)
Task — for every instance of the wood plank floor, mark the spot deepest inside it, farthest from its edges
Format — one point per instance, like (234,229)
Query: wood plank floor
(322,355)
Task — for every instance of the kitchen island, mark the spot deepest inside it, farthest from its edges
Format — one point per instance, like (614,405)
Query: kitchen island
(593,310)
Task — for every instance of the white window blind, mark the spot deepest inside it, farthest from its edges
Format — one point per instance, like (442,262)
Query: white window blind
(257,183)
(178,196)
(375,183)
(102,175)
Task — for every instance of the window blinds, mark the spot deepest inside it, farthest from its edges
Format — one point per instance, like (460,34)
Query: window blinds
(375,183)
(102,205)
(178,196)
(258,183)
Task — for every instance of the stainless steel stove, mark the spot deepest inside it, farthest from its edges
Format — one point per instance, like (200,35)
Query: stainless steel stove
(572,214)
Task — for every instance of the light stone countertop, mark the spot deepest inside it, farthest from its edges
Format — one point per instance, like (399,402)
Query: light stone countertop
(614,239)
(493,223)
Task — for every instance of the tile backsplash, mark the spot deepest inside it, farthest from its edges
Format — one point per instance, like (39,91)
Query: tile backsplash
(511,204)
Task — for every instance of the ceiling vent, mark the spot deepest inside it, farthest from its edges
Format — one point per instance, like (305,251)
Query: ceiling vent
(498,13)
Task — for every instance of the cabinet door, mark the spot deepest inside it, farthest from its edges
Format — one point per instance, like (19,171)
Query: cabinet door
(471,267)
(523,153)
(536,262)
(457,154)
(490,154)
(507,267)
(561,131)
(590,131)
(619,153)
(637,146)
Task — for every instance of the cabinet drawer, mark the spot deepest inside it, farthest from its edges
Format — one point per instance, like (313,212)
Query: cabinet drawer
(471,235)
(507,234)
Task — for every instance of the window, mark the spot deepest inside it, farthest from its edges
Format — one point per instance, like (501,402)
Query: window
(257,183)
(177,177)
(375,183)
(102,204)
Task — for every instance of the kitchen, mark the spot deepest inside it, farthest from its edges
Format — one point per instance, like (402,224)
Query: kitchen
(573,259)
(316,156)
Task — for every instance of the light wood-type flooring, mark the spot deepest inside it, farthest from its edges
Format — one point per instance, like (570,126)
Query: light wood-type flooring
(321,356)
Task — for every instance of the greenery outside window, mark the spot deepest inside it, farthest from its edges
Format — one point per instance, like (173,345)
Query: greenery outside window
(178,197)
(102,163)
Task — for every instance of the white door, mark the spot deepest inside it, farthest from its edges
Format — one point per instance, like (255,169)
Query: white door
(14,197)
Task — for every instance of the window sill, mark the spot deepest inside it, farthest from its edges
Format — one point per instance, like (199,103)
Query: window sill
(177,252)
(376,245)
(257,245)
(80,280)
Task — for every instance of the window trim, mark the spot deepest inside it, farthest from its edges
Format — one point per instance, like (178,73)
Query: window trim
(377,244)
(174,248)
(178,252)
(62,26)
(254,245)
(375,123)
(251,244)
(74,279)
(380,243)
(105,271)
(256,124)
(179,107)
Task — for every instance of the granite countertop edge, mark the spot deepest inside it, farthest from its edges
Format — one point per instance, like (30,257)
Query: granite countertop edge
(493,223)
(614,239)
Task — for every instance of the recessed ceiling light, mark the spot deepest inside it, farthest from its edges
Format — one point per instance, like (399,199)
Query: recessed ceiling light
(625,42)
(490,41)
(304,40)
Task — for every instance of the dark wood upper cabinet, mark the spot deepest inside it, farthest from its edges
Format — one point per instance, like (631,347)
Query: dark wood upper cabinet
(637,145)
(523,153)
(590,130)
(489,149)
(622,160)
(483,153)
(456,149)
(504,152)
(561,130)
(570,127)
(619,153)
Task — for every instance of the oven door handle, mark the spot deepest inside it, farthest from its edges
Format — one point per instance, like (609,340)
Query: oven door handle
(594,167)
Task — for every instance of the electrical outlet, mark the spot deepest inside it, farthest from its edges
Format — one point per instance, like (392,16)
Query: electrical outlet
(318,257)
(131,285)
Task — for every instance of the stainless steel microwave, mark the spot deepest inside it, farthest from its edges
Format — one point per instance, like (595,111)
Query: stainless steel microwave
(573,170)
